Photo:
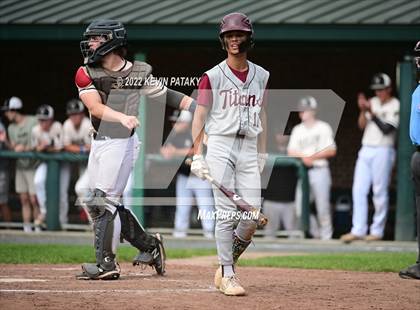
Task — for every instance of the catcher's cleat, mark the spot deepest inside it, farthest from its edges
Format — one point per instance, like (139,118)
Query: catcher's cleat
(143,258)
(95,272)
(154,258)
(230,286)
(218,277)
(411,272)
(159,256)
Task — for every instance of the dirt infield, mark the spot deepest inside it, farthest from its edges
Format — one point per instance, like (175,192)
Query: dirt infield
(188,285)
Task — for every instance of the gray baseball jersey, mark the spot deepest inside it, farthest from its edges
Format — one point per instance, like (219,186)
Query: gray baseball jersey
(236,103)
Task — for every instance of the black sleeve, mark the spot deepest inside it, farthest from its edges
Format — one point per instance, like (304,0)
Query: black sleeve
(174,98)
(386,128)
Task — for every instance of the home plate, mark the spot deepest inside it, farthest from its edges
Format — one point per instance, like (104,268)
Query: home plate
(14,280)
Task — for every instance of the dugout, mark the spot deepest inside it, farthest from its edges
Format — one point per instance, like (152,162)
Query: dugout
(316,44)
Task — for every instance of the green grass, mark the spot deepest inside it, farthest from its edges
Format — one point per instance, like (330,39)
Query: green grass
(376,262)
(70,254)
(63,254)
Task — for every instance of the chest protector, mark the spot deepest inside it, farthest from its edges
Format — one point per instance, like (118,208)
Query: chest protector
(121,92)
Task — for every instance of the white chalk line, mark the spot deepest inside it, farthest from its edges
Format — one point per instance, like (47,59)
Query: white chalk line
(15,280)
(147,291)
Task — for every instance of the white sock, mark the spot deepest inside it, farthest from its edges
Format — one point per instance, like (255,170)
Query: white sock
(227,271)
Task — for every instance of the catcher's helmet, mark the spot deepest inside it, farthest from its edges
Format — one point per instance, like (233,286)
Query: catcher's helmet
(114,33)
(237,22)
(417,55)
(74,106)
(380,81)
(45,112)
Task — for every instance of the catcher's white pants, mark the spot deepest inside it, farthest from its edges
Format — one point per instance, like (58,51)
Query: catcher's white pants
(110,164)
(373,168)
(233,163)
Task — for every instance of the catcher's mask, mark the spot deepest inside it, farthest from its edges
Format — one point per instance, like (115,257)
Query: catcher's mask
(237,22)
(113,33)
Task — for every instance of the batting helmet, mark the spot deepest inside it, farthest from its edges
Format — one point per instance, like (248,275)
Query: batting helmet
(237,22)
(307,103)
(380,81)
(115,37)
(45,112)
(74,106)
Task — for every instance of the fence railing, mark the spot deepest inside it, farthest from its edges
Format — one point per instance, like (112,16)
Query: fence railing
(53,179)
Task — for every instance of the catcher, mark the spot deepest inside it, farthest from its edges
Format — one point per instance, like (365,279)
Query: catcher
(110,87)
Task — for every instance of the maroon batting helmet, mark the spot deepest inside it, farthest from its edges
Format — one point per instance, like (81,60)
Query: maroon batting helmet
(237,22)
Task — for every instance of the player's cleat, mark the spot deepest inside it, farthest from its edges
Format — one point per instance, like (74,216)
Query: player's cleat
(155,258)
(411,272)
(95,272)
(218,277)
(347,238)
(143,258)
(230,286)
(372,238)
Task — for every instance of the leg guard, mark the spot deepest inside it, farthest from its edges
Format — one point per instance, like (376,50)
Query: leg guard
(238,247)
(151,250)
(242,238)
(103,227)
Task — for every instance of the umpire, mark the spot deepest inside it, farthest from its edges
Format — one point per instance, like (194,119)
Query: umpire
(413,272)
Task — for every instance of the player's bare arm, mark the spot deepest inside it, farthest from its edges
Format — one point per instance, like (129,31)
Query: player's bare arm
(93,102)
(200,116)
(262,137)
(364,107)
(325,154)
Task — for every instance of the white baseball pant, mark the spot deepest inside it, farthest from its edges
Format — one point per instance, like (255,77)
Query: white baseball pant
(373,168)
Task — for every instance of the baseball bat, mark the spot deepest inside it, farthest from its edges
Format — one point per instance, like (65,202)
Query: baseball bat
(237,200)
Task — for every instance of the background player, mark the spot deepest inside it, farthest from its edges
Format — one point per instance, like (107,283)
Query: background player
(279,196)
(77,139)
(313,142)
(379,118)
(231,106)
(47,136)
(105,87)
(413,272)
(19,132)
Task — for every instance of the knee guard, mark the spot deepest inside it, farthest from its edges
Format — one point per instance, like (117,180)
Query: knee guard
(103,227)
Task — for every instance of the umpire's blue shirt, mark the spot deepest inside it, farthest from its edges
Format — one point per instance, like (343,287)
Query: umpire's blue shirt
(415,117)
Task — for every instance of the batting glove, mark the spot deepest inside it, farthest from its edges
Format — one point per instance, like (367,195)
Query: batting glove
(199,166)
(262,158)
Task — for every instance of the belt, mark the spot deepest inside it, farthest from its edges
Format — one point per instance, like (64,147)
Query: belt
(96,136)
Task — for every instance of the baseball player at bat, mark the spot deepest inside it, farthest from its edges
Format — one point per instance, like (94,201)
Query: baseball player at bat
(231,112)
(110,87)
